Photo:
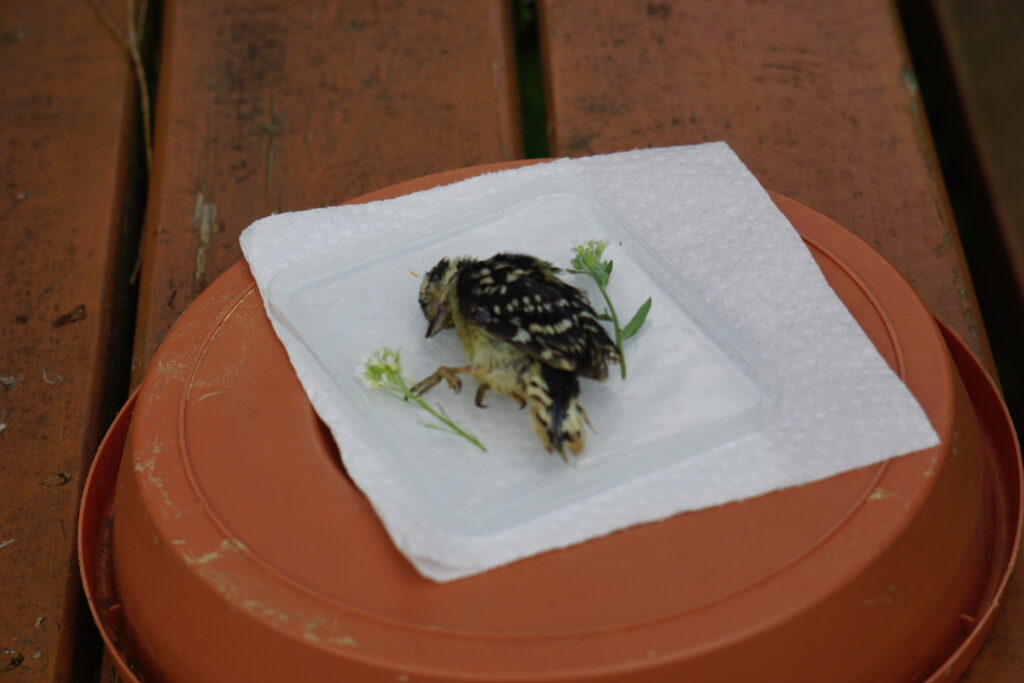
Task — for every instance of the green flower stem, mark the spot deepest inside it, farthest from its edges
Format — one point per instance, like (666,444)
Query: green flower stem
(587,261)
(383,370)
(439,414)
(618,330)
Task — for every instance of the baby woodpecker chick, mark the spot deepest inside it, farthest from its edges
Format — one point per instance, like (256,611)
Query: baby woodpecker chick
(525,334)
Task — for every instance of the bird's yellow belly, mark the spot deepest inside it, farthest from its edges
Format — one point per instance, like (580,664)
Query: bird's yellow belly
(502,379)
(493,362)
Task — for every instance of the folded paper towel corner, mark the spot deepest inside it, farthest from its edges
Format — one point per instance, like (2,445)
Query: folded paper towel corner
(749,376)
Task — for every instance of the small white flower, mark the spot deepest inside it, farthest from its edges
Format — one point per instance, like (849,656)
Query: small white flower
(383,369)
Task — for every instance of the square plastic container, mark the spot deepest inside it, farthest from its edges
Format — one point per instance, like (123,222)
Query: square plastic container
(692,383)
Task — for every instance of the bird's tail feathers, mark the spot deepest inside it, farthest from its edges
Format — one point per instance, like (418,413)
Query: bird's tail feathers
(557,417)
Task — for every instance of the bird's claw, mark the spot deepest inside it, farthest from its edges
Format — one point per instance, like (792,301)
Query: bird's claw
(449,375)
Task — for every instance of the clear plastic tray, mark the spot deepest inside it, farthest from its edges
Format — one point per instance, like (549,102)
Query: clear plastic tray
(692,385)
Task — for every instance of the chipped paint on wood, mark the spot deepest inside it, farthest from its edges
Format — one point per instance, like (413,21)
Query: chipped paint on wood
(204,219)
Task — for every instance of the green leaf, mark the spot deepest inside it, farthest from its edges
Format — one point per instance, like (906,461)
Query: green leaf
(608,267)
(637,321)
(604,316)
(574,272)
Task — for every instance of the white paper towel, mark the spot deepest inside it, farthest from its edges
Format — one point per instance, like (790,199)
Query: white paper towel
(838,405)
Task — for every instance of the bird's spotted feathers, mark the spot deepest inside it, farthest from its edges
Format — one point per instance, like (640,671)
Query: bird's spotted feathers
(520,299)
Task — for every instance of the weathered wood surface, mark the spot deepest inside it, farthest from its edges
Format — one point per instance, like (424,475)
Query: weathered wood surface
(817,98)
(970,57)
(984,58)
(66,113)
(983,41)
(278,106)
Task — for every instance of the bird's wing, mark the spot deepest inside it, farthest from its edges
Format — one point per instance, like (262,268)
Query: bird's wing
(519,299)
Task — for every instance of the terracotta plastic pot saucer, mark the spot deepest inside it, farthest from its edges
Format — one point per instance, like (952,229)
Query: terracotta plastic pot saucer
(221,540)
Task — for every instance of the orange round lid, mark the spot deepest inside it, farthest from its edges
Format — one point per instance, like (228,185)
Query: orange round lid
(241,550)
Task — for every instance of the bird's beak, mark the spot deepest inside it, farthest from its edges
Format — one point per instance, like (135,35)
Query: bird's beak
(436,322)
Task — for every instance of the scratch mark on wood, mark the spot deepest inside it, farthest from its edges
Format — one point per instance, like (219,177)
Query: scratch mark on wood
(73,316)
(910,83)
(947,240)
(14,659)
(270,129)
(270,163)
(787,67)
(58,479)
(11,381)
(204,219)
(4,544)
(52,380)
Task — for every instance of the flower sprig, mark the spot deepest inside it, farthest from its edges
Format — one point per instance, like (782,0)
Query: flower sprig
(587,261)
(382,369)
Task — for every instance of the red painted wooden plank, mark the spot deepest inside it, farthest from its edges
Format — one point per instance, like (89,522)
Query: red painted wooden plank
(984,52)
(817,98)
(279,106)
(969,57)
(67,106)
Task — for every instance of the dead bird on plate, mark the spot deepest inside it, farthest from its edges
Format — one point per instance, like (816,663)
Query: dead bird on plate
(525,333)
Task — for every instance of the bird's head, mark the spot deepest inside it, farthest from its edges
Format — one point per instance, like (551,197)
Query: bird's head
(435,294)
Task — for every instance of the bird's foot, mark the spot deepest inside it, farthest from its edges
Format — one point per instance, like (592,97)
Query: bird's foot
(449,375)
(479,399)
